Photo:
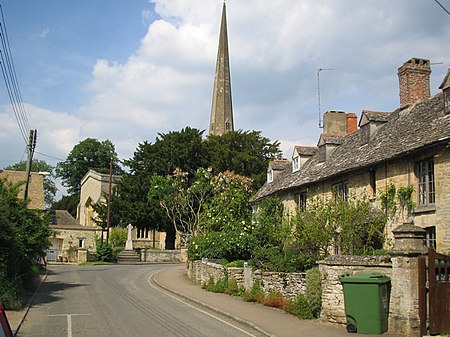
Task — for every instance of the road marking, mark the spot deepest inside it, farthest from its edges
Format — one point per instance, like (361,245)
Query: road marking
(193,307)
(69,321)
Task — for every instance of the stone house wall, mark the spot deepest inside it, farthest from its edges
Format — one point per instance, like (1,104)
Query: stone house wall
(70,236)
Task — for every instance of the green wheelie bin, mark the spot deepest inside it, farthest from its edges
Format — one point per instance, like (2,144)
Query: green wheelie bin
(366,298)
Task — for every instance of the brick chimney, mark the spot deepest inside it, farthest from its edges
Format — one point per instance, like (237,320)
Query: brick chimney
(352,122)
(414,79)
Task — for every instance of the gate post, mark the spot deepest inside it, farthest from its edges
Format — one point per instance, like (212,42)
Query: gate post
(404,302)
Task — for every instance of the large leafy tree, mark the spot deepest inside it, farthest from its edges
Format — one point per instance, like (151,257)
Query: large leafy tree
(86,155)
(179,149)
(23,237)
(50,188)
(246,153)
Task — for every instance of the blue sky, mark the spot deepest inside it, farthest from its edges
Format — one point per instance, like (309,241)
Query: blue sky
(126,70)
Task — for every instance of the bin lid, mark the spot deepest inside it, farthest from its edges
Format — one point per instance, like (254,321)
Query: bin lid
(364,278)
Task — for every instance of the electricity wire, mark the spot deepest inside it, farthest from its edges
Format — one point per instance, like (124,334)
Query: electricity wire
(10,77)
(442,6)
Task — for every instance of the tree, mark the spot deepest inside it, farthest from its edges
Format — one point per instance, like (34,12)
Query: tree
(69,203)
(24,236)
(86,155)
(246,153)
(50,188)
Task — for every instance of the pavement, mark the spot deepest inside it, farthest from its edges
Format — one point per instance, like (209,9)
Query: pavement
(269,321)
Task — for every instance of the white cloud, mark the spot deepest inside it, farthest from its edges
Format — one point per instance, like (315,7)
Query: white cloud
(44,33)
(275,49)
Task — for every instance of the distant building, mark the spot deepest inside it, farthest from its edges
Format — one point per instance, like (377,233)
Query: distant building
(221,120)
(35,187)
(407,147)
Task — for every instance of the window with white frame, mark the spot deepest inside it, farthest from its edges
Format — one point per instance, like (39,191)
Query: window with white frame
(295,164)
(270,176)
(426,188)
(340,190)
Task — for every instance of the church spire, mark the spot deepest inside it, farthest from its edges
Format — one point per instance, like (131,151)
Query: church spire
(222,110)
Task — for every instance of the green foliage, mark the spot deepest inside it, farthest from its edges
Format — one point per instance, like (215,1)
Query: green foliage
(37,165)
(246,153)
(118,237)
(404,195)
(288,260)
(353,225)
(104,251)
(86,155)
(256,294)
(314,291)
(67,202)
(23,237)
(387,198)
(299,307)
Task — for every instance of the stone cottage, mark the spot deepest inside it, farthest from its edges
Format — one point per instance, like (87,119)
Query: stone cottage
(406,147)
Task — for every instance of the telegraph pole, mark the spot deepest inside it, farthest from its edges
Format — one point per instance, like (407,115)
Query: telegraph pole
(318,94)
(109,201)
(30,149)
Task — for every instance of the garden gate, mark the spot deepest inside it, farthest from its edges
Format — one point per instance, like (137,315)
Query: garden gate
(434,293)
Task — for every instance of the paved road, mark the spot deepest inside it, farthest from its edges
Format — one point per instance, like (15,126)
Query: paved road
(118,300)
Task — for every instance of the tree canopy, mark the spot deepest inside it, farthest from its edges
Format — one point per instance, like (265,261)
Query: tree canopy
(86,155)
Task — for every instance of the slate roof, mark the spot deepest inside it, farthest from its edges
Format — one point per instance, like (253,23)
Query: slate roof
(376,116)
(306,150)
(64,220)
(279,164)
(407,130)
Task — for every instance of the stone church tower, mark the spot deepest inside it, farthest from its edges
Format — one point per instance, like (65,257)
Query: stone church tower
(222,110)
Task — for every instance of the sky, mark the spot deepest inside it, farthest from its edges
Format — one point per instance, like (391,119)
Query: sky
(128,70)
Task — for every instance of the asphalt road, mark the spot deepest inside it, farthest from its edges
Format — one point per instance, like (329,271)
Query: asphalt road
(118,300)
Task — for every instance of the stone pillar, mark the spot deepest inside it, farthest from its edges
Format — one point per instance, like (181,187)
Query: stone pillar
(83,255)
(404,302)
(248,277)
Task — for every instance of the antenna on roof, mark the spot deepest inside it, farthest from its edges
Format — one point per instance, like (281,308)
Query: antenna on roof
(318,94)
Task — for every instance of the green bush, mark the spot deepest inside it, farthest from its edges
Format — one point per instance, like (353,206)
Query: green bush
(256,294)
(299,307)
(104,252)
(285,261)
(314,291)
(233,288)
(118,237)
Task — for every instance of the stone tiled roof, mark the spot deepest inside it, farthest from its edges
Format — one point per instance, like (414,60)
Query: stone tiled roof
(279,164)
(64,218)
(406,131)
(331,139)
(306,150)
(376,116)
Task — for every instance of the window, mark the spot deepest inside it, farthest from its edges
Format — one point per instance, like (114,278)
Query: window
(295,164)
(142,233)
(301,201)
(340,190)
(430,237)
(425,175)
(81,242)
(373,182)
(447,100)
(364,134)
(321,152)
(269,176)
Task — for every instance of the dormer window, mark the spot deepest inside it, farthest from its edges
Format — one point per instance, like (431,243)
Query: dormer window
(295,164)
(445,86)
(364,133)
(270,176)
(321,154)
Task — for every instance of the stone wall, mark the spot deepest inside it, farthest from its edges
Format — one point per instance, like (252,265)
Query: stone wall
(153,255)
(288,284)
(337,265)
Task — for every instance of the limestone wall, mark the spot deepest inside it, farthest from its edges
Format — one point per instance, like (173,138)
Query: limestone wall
(333,267)
(288,284)
(153,255)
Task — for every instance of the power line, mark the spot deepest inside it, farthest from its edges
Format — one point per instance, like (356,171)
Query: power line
(10,77)
(442,6)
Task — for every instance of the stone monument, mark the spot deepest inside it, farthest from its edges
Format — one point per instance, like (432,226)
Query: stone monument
(129,243)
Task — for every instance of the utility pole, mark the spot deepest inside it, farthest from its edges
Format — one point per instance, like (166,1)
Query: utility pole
(30,149)
(109,202)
